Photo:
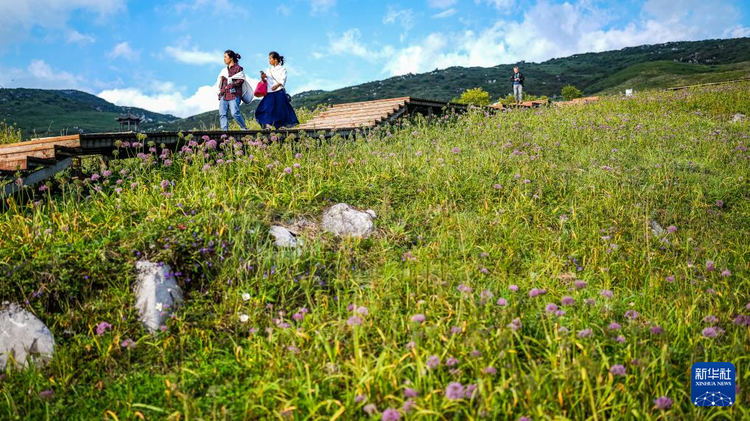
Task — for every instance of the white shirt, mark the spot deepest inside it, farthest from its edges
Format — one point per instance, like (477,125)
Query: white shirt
(276,74)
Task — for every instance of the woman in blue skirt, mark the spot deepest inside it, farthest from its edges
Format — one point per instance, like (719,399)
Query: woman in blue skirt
(275,109)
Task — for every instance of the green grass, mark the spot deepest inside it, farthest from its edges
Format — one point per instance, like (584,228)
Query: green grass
(597,176)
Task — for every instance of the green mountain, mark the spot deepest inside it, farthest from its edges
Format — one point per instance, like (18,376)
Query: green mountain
(643,67)
(41,112)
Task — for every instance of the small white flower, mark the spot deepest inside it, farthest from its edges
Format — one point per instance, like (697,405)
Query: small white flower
(245,297)
(244,318)
(159,306)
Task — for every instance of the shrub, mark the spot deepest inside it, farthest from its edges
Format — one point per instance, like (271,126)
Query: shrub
(476,96)
(571,92)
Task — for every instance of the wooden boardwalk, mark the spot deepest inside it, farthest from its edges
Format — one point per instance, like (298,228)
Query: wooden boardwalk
(40,159)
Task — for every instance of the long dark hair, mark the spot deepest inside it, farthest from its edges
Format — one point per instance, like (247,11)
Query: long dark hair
(234,56)
(274,55)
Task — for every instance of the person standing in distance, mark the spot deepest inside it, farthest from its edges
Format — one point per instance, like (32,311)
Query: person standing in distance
(517,80)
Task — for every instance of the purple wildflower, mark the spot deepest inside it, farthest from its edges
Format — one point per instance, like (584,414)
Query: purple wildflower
(671,229)
(451,361)
(128,344)
(631,314)
(502,302)
(354,321)
(418,318)
(669,278)
(607,293)
(710,266)
(46,394)
(497,186)
(433,361)
(719,203)
(288,170)
(614,326)
(589,301)
(551,308)
(535,292)
(585,333)
(742,320)
(726,273)
(456,149)
(560,313)
(710,319)
(102,327)
(513,288)
(657,330)
(524,419)
(391,414)
(515,324)
(464,289)
(360,398)
(618,370)
(469,392)
(454,391)
(620,339)
(568,301)
(486,295)
(363,311)
(410,393)
(712,332)
(663,403)
(580,284)
(490,370)
(455,330)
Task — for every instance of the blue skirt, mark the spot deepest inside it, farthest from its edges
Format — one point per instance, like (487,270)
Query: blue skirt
(276,109)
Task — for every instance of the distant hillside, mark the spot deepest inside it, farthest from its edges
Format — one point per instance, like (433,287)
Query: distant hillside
(51,112)
(644,67)
(664,74)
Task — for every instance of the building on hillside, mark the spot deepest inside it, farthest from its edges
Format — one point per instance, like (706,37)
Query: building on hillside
(128,119)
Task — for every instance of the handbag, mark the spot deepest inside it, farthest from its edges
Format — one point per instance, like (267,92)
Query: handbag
(261,90)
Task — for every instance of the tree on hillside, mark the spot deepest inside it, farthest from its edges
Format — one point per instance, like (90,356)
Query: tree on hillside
(571,92)
(476,96)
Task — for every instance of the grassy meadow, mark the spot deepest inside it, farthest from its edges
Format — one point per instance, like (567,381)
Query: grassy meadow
(556,263)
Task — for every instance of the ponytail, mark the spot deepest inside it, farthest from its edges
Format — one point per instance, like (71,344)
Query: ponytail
(234,56)
(276,56)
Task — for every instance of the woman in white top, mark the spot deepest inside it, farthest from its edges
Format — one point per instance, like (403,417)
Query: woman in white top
(275,109)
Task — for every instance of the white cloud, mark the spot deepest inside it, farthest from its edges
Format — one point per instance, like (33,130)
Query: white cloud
(166,99)
(445,14)
(320,6)
(441,4)
(40,75)
(194,56)
(18,17)
(76,37)
(124,50)
(349,44)
(739,32)
(404,17)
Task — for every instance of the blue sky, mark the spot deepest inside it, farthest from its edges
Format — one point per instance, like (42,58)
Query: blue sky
(164,56)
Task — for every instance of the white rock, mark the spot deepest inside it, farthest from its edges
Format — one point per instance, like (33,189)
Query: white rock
(157,294)
(343,220)
(22,335)
(284,238)
(738,118)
